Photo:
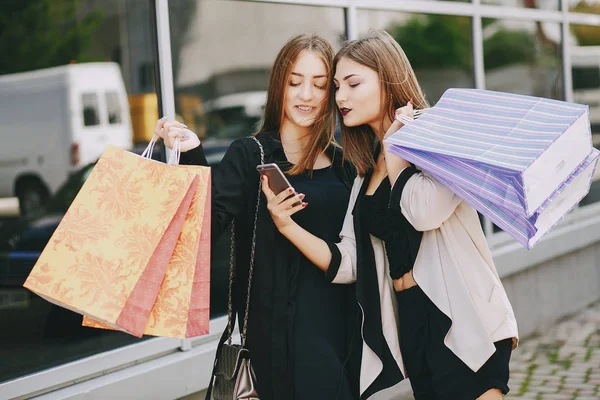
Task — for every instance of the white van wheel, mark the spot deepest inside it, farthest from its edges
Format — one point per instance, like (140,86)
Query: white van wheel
(32,196)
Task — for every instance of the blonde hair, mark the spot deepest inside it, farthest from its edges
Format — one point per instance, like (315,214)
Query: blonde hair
(323,127)
(381,53)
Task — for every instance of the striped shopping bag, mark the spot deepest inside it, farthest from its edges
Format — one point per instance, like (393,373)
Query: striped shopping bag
(521,161)
(516,149)
(525,230)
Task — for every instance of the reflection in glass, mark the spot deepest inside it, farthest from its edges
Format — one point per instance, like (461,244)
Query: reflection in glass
(584,6)
(585,64)
(523,57)
(585,67)
(64,94)
(221,84)
(534,4)
(438,46)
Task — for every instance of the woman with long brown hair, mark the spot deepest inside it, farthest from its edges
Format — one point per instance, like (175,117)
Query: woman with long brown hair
(300,326)
(433,307)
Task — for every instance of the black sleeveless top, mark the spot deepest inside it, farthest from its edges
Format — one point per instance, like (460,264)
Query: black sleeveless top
(401,240)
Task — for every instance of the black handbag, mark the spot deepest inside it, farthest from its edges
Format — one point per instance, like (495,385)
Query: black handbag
(233,377)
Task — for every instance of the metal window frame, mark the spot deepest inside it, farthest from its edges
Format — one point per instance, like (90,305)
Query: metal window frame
(135,354)
(351,17)
(86,368)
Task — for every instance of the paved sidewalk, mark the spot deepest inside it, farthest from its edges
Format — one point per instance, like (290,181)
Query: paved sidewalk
(561,363)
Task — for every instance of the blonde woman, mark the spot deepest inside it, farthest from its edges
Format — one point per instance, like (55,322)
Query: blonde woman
(300,326)
(433,307)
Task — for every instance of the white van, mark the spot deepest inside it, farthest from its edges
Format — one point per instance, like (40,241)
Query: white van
(585,65)
(56,120)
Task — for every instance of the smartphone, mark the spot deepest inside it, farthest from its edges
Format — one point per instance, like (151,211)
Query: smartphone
(277,180)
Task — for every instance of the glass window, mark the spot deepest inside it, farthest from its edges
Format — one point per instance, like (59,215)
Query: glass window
(539,4)
(586,78)
(146,76)
(222,53)
(89,102)
(438,46)
(113,108)
(585,65)
(100,45)
(523,57)
(584,6)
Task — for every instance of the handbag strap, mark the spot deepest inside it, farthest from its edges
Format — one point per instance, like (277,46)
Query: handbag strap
(230,317)
(228,332)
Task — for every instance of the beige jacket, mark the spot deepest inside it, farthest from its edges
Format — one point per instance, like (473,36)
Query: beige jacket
(454,268)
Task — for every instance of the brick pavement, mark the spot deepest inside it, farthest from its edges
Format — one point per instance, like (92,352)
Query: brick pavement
(561,363)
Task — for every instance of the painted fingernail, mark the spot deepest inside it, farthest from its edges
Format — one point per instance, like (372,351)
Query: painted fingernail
(301,195)
(304,205)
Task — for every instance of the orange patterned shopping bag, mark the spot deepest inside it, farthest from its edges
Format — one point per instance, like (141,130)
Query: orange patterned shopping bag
(108,256)
(183,304)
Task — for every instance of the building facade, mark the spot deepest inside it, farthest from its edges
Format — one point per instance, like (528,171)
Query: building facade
(206,63)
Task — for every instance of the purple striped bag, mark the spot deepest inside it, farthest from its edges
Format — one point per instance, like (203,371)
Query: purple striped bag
(527,231)
(513,151)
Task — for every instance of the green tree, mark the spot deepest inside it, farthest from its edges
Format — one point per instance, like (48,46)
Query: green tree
(507,47)
(37,34)
(439,41)
(435,41)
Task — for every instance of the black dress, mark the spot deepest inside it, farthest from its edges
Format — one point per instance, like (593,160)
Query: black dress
(299,324)
(321,307)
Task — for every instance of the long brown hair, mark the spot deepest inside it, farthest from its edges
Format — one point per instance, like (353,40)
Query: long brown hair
(381,53)
(323,127)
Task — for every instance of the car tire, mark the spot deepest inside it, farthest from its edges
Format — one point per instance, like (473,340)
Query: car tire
(32,195)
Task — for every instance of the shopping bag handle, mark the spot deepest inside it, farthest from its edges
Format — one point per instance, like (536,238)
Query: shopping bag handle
(416,114)
(175,151)
(147,153)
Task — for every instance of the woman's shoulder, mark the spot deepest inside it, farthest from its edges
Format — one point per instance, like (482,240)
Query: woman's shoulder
(243,153)
(248,149)
(248,144)
(268,140)
(267,136)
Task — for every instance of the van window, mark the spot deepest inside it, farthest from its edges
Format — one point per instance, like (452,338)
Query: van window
(586,78)
(113,108)
(90,109)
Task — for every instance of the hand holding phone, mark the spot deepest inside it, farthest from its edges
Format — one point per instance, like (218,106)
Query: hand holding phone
(277,180)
